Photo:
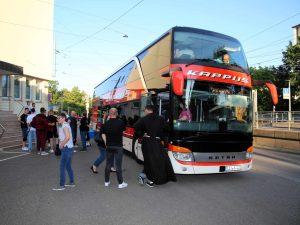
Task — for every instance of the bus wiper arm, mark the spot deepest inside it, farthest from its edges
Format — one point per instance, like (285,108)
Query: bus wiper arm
(199,60)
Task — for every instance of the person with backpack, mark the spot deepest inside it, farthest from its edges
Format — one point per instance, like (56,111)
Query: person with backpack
(40,123)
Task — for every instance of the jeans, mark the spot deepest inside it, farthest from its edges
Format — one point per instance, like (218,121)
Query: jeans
(74,134)
(117,153)
(31,136)
(83,138)
(101,157)
(65,163)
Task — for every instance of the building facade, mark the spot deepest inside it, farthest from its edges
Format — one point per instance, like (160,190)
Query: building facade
(27,41)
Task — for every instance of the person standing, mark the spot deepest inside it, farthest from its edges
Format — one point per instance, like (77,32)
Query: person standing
(24,128)
(32,131)
(73,124)
(52,130)
(88,143)
(112,134)
(157,164)
(40,123)
(83,131)
(102,149)
(66,146)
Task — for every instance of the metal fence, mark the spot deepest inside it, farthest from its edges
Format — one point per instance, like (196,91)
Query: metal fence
(279,120)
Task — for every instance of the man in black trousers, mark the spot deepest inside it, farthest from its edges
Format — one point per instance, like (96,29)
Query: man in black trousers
(112,134)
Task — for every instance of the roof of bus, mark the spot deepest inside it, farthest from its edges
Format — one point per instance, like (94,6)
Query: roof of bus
(176,28)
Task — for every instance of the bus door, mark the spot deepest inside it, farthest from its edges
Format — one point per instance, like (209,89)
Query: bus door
(163,103)
(145,100)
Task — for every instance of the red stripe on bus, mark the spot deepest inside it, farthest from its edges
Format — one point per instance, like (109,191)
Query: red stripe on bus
(215,163)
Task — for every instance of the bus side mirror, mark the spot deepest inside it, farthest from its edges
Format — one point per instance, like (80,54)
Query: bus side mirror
(273,91)
(178,82)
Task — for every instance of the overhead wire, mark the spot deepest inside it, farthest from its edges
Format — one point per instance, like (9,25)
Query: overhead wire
(92,15)
(58,31)
(279,41)
(266,61)
(270,27)
(105,27)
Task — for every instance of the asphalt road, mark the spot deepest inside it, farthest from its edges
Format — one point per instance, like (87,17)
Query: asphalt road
(268,194)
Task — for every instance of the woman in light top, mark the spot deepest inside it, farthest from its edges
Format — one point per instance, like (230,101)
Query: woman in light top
(66,147)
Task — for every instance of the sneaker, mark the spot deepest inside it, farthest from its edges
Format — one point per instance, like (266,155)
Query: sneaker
(113,169)
(106,184)
(149,183)
(44,153)
(70,185)
(123,185)
(51,151)
(141,180)
(25,149)
(61,188)
(74,150)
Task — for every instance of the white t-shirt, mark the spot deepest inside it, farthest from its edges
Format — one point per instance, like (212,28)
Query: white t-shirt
(62,136)
(29,119)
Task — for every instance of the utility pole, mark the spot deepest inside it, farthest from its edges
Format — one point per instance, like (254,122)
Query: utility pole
(290,105)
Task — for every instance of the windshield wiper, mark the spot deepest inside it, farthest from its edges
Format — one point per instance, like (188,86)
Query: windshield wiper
(199,60)
(240,67)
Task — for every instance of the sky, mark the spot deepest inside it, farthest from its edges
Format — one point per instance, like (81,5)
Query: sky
(86,53)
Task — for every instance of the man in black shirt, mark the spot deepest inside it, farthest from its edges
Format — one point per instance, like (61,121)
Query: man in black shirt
(73,125)
(83,131)
(112,134)
(52,130)
(24,128)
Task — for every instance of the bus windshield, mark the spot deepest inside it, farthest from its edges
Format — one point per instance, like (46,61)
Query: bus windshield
(209,50)
(211,107)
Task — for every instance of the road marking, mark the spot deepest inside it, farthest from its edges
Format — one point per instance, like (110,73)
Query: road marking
(1,160)
(12,152)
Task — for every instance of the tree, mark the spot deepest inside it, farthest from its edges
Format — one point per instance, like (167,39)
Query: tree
(263,96)
(290,70)
(291,61)
(75,99)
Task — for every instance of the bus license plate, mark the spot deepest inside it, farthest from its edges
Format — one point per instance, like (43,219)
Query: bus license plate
(232,168)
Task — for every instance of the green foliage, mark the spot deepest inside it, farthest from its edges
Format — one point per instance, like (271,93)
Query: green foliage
(290,70)
(75,99)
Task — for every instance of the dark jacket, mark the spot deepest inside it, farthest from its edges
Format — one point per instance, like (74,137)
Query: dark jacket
(40,122)
(84,124)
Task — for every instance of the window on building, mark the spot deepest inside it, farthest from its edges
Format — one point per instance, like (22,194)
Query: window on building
(17,87)
(28,90)
(38,91)
(5,85)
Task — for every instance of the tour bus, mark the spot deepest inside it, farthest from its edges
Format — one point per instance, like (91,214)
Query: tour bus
(203,73)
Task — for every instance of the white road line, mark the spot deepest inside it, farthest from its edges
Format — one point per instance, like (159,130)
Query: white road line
(1,160)
(12,152)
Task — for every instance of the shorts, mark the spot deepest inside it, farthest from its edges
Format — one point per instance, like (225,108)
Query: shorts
(25,131)
(52,134)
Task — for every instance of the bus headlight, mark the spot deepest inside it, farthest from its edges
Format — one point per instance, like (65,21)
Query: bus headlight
(188,157)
